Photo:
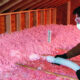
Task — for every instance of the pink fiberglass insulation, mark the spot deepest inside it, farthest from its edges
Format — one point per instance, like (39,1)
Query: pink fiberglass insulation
(18,46)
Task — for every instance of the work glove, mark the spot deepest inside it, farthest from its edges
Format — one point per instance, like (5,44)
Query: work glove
(61,56)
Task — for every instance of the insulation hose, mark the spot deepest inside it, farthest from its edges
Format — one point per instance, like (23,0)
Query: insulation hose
(64,62)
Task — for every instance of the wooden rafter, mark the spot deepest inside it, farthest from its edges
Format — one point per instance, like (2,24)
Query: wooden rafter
(2,2)
(46,4)
(58,3)
(9,5)
(40,4)
(22,3)
(54,3)
(27,6)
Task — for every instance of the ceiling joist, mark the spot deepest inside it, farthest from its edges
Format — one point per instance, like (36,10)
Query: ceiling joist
(2,2)
(9,5)
(27,6)
(17,6)
(40,4)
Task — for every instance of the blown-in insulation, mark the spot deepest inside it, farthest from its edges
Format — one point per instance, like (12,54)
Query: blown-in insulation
(26,47)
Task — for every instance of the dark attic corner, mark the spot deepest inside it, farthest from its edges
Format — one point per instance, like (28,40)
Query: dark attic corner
(39,39)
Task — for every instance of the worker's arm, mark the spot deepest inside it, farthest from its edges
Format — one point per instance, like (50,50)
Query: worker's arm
(75,51)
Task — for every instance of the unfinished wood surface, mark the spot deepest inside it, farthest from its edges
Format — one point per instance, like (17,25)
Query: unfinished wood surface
(34,18)
(45,17)
(38,17)
(40,4)
(13,22)
(17,6)
(42,17)
(2,24)
(8,23)
(27,19)
(2,2)
(23,26)
(48,16)
(47,4)
(9,5)
(68,11)
(31,19)
(18,22)
(27,6)
(53,16)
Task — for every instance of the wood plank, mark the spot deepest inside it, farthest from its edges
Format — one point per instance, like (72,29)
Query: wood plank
(18,21)
(42,17)
(23,26)
(31,19)
(38,17)
(22,3)
(27,20)
(45,17)
(34,18)
(27,6)
(13,22)
(2,2)
(2,24)
(47,3)
(48,16)
(39,4)
(9,5)
(8,23)
(54,15)
(58,3)
(68,12)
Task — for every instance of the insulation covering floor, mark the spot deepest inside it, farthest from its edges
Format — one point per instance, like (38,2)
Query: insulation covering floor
(18,46)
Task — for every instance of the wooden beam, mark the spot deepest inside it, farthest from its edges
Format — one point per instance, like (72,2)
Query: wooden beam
(68,11)
(13,22)
(27,6)
(18,19)
(8,23)
(38,17)
(2,24)
(46,4)
(9,5)
(39,4)
(58,3)
(54,15)
(27,19)
(22,3)
(2,2)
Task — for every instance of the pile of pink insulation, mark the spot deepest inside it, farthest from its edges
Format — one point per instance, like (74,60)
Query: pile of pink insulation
(18,46)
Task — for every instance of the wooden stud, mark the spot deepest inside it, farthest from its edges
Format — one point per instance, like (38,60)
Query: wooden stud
(38,17)
(22,21)
(8,23)
(27,19)
(13,22)
(54,15)
(42,17)
(2,24)
(45,17)
(31,19)
(34,18)
(18,19)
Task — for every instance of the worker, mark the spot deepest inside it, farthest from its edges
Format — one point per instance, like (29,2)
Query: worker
(75,51)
